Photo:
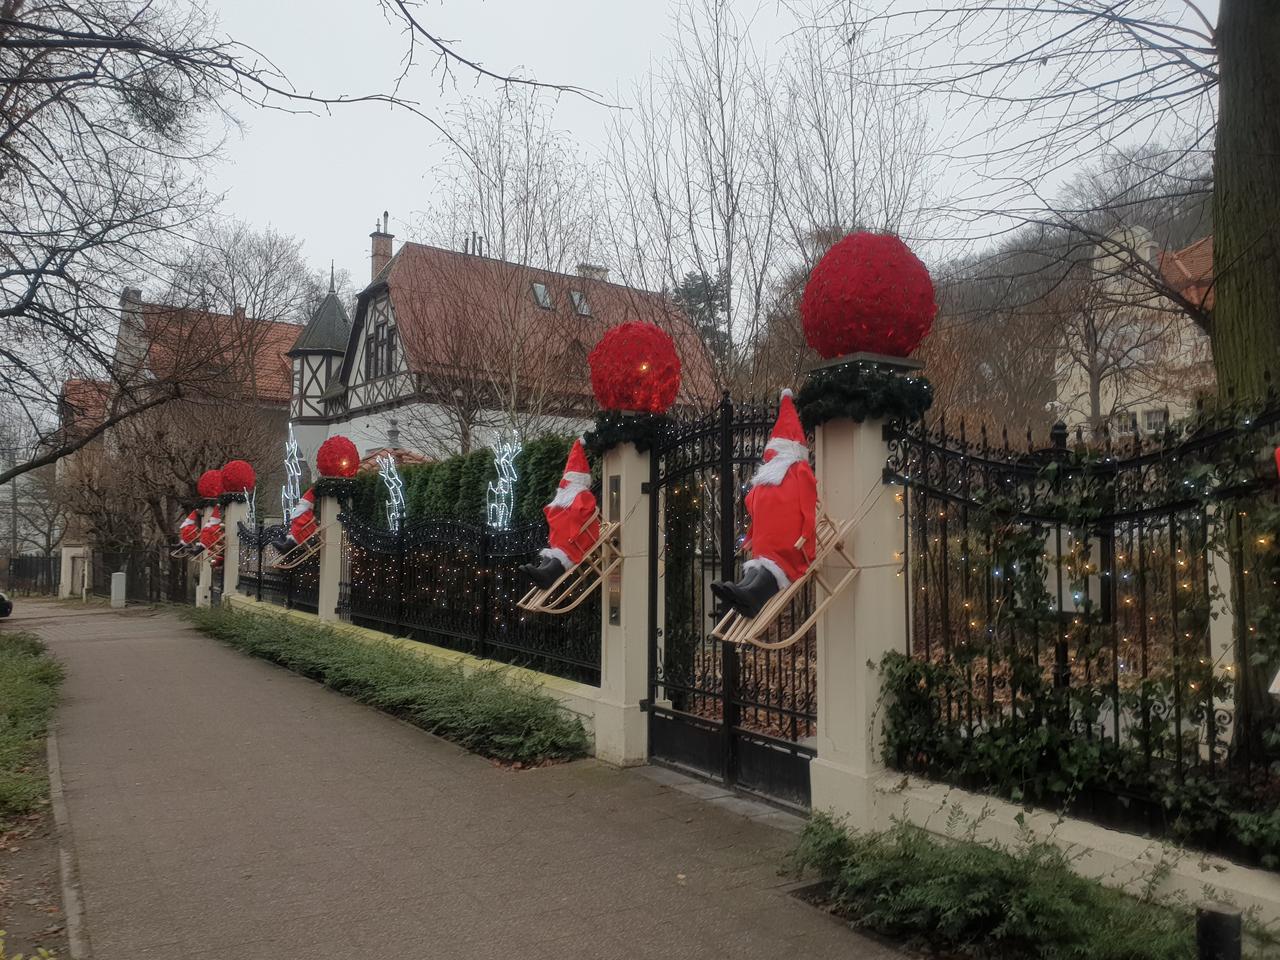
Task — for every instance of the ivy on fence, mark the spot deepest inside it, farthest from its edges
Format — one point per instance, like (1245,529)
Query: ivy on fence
(1061,618)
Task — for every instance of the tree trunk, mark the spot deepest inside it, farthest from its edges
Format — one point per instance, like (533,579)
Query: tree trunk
(1245,329)
(1246,313)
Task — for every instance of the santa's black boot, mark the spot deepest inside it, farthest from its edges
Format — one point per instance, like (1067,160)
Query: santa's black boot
(543,573)
(749,595)
(282,544)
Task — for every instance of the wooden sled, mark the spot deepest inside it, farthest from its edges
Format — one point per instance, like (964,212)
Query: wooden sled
(182,552)
(580,581)
(735,628)
(214,550)
(300,553)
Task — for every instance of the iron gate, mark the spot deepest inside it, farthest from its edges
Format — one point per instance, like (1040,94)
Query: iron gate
(743,716)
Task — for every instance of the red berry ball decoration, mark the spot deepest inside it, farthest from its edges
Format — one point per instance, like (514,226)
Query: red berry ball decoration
(337,457)
(635,368)
(869,293)
(210,485)
(238,476)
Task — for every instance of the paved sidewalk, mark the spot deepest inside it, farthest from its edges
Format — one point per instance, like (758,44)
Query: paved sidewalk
(221,806)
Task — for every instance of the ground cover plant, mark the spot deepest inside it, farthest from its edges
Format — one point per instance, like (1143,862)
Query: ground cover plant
(962,898)
(29,680)
(487,711)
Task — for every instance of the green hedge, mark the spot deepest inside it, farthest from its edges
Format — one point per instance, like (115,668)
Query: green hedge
(456,488)
(29,680)
(487,711)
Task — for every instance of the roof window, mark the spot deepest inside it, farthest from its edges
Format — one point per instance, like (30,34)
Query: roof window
(541,296)
(580,303)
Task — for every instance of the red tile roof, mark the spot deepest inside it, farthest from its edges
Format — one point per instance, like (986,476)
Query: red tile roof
(401,456)
(1189,271)
(460,311)
(229,349)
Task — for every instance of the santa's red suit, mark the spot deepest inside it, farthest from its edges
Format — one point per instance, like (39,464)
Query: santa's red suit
(302,518)
(211,532)
(783,502)
(572,515)
(189,530)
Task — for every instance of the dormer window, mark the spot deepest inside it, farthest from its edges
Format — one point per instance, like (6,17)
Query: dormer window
(580,303)
(541,295)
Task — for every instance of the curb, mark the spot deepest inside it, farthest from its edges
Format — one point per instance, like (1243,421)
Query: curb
(68,870)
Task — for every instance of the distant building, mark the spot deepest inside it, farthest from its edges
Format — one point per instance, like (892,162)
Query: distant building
(1135,360)
(461,348)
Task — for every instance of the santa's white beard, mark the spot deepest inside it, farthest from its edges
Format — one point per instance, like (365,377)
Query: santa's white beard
(772,472)
(566,495)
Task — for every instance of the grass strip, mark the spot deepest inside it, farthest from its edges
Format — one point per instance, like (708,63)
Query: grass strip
(962,898)
(29,679)
(489,712)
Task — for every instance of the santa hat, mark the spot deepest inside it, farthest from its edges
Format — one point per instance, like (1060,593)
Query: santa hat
(787,439)
(305,503)
(577,472)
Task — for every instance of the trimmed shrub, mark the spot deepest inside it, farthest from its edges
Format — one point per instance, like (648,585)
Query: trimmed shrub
(29,680)
(488,711)
(983,901)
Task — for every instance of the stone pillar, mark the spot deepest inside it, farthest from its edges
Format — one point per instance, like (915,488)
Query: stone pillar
(204,583)
(862,624)
(327,509)
(69,585)
(233,514)
(621,728)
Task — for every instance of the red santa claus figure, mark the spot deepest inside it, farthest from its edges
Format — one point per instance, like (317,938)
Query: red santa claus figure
(573,521)
(211,534)
(189,532)
(782,504)
(302,522)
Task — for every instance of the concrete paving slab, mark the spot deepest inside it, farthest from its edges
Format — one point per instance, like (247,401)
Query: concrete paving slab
(220,806)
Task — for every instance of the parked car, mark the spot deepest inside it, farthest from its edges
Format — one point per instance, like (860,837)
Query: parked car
(6,606)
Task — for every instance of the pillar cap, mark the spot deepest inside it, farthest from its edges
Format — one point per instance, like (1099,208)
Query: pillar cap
(884,360)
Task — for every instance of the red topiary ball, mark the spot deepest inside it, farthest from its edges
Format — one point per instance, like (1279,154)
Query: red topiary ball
(210,485)
(237,476)
(635,367)
(337,457)
(868,293)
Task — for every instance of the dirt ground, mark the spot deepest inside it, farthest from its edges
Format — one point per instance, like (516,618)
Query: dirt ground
(30,890)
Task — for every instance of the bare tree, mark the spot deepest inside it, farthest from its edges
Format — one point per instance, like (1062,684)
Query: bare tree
(515,184)
(731,169)
(108,111)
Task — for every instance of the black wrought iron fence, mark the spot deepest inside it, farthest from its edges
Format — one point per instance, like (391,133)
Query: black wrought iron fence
(151,575)
(1091,628)
(33,575)
(456,585)
(261,577)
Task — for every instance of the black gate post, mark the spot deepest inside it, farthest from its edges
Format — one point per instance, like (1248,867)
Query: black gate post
(728,538)
(652,614)
(258,589)
(400,580)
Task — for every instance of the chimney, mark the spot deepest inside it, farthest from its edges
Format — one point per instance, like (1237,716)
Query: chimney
(130,296)
(393,434)
(590,271)
(381,250)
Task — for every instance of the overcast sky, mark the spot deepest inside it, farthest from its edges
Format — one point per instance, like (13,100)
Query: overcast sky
(326,179)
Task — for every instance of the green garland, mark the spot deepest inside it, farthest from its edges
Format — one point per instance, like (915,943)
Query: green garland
(229,498)
(341,487)
(862,391)
(614,427)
